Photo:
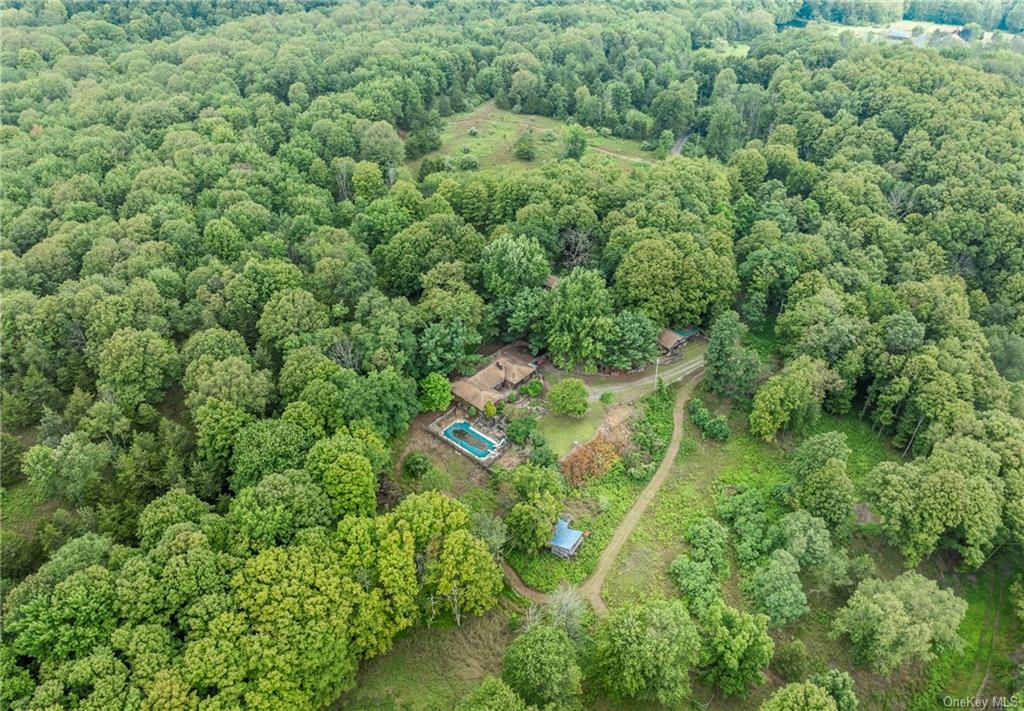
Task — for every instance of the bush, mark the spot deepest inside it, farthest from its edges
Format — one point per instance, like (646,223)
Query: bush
(568,397)
(532,388)
(709,541)
(473,131)
(416,465)
(525,148)
(587,460)
(606,398)
(542,454)
(717,428)
(467,161)
(521,430)
(11,452)
(653,431)
(791,660)
(492,694)
(696,582)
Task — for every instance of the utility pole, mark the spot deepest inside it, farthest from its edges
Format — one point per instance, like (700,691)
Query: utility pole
(657,364)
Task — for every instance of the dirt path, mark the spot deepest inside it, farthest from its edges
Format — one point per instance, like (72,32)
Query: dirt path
(517,584)
(667,374)
(590,589)
(631,159)
(680,142)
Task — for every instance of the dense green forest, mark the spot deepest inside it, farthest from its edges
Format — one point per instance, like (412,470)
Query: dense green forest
(236,265)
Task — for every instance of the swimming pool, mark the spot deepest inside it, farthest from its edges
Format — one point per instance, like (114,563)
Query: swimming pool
(463,436)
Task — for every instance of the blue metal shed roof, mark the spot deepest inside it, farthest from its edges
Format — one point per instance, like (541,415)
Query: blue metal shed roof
(565,537)
(688,331)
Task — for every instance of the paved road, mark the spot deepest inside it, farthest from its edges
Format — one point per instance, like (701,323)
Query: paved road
(590,589)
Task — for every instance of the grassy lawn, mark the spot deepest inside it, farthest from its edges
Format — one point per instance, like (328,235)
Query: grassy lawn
(563,432)
(431,668)
(497,131)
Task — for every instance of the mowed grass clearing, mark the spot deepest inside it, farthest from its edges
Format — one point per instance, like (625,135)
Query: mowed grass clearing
(497,131)
(562,432)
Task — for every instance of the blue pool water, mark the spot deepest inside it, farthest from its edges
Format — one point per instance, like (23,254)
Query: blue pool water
(463,435)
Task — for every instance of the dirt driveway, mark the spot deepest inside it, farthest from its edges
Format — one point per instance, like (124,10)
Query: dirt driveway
(590,589)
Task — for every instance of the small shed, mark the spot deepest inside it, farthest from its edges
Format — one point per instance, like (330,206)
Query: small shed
(669,340)
(565,541)
(551,281)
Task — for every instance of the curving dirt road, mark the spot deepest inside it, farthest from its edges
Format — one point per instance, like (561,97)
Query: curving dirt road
(590,589)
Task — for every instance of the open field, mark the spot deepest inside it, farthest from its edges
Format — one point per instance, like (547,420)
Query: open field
(431,667)
(496,133)
(901,25)
(562,432)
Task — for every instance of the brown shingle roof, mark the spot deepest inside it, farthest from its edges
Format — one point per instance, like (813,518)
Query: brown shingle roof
(473,394)
(669,339)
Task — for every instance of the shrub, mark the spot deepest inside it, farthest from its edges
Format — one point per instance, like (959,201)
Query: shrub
(653,431)
(791,660)
(11,452)
(416,465)
(839,686)
(568,397)
(532,388)
(606,398)
(696,582)
(492,694)
(467,161)
(525,147)
(542,454)
(594,458)
(708,541)
(717,428)
(521,430)
(473,131)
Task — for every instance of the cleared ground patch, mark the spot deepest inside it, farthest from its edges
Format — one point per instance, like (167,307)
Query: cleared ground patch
(562,432)
(431,667)
(496,131)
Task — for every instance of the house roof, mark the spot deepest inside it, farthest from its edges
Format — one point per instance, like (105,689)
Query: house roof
(516,373)
(669,339)
(490,377)
(688,331)
(565,537)
(473,394)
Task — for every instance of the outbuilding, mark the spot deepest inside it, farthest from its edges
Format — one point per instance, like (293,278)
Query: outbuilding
(565,541)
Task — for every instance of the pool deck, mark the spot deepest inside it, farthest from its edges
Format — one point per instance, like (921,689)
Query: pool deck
(457,414)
